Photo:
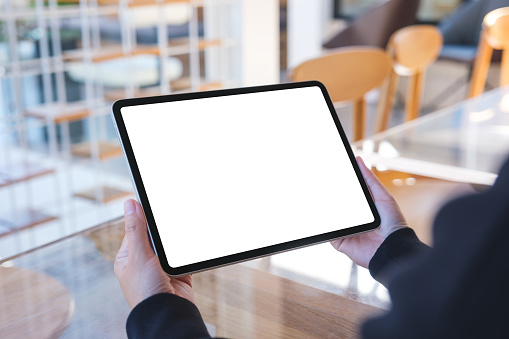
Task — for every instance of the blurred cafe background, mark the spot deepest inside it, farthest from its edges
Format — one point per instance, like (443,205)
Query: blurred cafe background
(426,111)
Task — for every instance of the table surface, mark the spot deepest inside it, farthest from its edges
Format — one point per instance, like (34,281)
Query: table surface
(50,312)
(466,142)
(238,300)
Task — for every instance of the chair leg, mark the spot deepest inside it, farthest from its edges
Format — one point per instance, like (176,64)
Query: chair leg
(504,68)
(386,103)
(359,119)
(413,102)
(481,66)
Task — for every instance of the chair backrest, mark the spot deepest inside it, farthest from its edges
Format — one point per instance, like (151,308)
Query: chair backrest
(412,49)
(494,35)
(496,25)
(348,73)
(375,27)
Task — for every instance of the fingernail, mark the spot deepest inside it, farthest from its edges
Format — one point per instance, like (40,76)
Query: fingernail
(129,207)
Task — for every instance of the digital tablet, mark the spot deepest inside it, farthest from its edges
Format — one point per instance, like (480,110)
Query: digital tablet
(231,175)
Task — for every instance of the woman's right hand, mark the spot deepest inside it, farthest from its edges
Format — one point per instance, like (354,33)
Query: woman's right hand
(361,247)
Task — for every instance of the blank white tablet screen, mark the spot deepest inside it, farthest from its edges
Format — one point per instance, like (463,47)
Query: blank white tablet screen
(229,174)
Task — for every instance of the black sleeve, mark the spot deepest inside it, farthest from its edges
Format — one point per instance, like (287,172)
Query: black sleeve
(400,246)
(168,316)
(457,289)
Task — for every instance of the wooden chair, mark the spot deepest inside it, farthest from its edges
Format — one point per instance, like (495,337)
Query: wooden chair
(348,73)
(461,38)
(413,49)
(494,35)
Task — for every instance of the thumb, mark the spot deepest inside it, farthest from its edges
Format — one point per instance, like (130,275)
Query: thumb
(136,229)
(377,189)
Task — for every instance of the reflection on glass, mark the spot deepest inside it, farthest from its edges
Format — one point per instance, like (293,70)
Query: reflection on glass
(465,142)
(387,150)
(481,116)
(504,103)
(368,146)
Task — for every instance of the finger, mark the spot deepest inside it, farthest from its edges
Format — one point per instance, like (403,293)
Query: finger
(123,251)
(136,228)
(186,279)
(377,189)
(121,258)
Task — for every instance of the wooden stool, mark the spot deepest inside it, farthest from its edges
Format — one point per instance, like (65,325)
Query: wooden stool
(413,49)
(494,35)
(348,73)
(33,304)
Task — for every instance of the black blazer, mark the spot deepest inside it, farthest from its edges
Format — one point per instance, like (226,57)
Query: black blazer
(458,289)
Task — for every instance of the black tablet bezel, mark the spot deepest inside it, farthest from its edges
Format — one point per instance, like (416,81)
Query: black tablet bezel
(251,254)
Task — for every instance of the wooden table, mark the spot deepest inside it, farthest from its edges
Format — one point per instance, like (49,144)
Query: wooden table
(238,301)
(243,302)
